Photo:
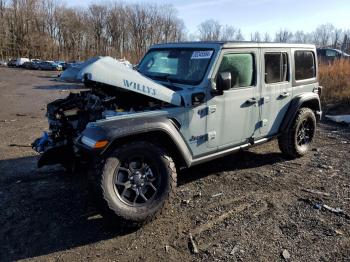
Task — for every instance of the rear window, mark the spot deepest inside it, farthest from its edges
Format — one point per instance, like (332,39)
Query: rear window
(304,65)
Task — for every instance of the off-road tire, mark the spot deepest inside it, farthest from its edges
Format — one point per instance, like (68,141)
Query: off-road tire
(288,141)
(112,206)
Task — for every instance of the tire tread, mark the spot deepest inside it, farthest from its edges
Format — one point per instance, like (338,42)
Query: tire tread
(286,141)
(105,201)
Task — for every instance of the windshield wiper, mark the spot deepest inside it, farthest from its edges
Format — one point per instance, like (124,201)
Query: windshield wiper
(165,77)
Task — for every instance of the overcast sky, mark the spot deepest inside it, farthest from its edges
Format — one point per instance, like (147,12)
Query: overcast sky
(257,15)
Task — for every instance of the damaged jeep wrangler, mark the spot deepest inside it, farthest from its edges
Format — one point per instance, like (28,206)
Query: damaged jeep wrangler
(182,105)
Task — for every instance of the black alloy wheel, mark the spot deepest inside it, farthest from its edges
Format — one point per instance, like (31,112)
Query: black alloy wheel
(136,180)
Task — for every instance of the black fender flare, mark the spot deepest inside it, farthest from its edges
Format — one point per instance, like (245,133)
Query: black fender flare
(116,130)
(311,100)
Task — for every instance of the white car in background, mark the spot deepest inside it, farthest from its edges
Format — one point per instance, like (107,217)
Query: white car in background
(21,60)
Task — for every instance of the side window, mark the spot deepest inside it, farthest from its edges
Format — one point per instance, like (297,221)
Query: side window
(241,67)
(276,68)
(331,53)
(304,65)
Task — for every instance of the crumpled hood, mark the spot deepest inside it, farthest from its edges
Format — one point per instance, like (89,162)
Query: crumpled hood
(71,73)
(109,71)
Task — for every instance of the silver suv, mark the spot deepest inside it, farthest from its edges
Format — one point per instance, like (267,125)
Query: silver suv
(182,105)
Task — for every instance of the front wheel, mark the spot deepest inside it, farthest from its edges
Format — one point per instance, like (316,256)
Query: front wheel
(136,183)
(297,140)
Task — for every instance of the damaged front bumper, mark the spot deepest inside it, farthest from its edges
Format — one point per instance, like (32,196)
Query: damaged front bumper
(52,153)
(88,146)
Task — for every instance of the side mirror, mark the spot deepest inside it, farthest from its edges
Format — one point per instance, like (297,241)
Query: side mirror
(223,82)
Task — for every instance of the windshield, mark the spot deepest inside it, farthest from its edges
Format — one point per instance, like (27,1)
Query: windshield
(176,65)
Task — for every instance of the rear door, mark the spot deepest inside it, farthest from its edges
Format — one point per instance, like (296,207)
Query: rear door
(276,89)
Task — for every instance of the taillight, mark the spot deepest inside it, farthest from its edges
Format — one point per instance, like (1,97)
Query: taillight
(318,90)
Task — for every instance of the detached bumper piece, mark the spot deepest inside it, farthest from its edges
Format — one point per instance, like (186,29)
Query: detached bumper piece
(63,155)
(51,154)
(41,143)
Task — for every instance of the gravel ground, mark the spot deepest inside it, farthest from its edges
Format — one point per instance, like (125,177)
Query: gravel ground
(249,206)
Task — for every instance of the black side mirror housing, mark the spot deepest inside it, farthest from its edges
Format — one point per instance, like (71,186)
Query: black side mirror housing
(223,82)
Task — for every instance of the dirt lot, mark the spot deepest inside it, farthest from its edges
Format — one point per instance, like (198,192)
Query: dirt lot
(250,206)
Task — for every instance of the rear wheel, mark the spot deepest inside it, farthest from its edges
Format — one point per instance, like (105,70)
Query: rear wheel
(296,141)
(136,183)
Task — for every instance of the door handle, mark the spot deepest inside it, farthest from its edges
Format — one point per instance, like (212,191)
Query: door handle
(284,94)
(251,101)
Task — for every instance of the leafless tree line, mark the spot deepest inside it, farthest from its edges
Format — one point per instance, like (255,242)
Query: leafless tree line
(211,30)
(324,35)
(48,29)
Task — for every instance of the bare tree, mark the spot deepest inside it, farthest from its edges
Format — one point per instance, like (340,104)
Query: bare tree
(336,36)
(3,32)
(97,16)
(299,37)
(239,35)
(283,36)
(346,42)
(256,37)
(209,30)
(267,37)
(322,35)
(117,28)
(228,33)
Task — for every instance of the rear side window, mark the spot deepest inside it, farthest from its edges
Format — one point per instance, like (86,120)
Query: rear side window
(331,53)
(241,67)
(276,68)
(304,65)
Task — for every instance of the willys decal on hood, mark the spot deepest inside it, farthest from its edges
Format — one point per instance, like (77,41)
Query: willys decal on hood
(109,71)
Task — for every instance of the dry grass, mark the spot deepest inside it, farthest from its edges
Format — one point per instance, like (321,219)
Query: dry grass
(335,79)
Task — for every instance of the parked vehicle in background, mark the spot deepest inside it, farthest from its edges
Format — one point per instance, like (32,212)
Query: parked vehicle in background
(50,65)
(12,63)
(21,60)
(69,64)
(331,54)
(183,105)
(33,65)
(65,65)
(3,63)
(26,65)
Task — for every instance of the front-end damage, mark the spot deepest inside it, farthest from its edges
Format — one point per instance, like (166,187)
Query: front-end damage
(113,91)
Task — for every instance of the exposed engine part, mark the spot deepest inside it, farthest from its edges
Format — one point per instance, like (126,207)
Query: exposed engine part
(68,117)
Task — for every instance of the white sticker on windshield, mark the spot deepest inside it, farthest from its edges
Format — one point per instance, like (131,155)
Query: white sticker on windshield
(202,54)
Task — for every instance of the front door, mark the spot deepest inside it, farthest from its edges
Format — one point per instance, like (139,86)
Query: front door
(233,116)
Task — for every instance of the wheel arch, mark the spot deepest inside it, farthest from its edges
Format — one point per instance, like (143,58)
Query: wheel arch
(163,132)
(158,137)
(309,100)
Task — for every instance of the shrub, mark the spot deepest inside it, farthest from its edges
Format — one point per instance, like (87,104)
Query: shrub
(335,79)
